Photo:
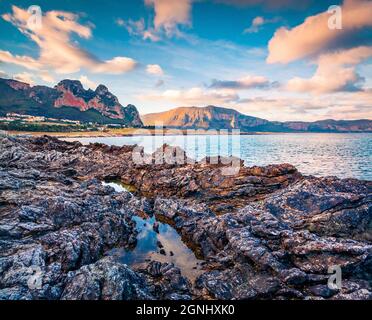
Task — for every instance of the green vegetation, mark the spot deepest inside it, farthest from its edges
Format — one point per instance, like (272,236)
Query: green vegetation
(43,127)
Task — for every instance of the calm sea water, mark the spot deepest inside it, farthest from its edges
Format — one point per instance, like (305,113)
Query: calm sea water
(319,154)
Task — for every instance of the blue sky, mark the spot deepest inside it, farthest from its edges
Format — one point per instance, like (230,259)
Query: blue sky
(260,57)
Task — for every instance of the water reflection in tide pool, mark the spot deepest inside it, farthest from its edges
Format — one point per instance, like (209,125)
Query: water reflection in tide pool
(147,247)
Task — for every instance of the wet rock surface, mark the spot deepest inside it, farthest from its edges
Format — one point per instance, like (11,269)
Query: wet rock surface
(263,233)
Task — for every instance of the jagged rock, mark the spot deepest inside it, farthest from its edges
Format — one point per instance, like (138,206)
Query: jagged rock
(155,227)
(263,233)
(105,280)
(166,282)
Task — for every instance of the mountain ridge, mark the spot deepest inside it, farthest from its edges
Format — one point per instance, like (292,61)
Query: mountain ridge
(68,100)
(213,117)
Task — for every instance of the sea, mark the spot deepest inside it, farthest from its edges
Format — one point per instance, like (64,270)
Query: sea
(345,155)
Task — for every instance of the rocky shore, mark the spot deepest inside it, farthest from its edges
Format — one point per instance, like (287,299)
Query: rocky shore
(263,233)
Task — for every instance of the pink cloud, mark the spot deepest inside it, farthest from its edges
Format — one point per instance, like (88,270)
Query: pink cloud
(57,51)
(170,13)
(154,69)
(335,72)
(313,36)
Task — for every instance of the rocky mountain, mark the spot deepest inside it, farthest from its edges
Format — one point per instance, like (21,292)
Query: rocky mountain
(206,118)
(212,117)
(67,100)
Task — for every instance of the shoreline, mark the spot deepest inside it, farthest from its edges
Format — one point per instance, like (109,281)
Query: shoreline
(133,132)
(270,229)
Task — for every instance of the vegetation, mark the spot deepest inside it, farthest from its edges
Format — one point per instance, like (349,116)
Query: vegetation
(43,127)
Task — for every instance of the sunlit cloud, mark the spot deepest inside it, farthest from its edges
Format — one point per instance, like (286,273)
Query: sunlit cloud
(314,37)
(3,74)
(335,72)
(24,77)
(194,96)
(138,28)
(258,22)
(23,61)
(154,69)
(57,50)
(87,82)
(169,14)
(46,76)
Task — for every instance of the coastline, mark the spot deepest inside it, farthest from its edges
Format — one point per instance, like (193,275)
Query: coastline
(132,132)
(262,233)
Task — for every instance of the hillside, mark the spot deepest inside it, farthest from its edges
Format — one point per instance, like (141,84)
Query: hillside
(212,117)
(67,100)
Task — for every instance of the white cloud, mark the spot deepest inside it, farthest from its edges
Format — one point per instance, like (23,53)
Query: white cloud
(87,83)
(3,74)
(349,105)
(154,69)
(46,76)
(24,77)
(193,96)
(57,51)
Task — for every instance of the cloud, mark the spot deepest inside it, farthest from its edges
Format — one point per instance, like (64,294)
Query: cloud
(133,27)
(154,69)
(169,14)
(349,105)
(138,28)
(273,4)
(159,83)
(87,82)
(335,73)
(248,82)
(57,50)
(24,61)
(3,74)
(46,76)
(314,37)
(24,77)
(193,96)
(258,22)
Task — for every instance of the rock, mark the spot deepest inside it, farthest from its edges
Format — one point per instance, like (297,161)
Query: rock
(105,280)
(263,233)
(166,282)
(322,291)
(155,227)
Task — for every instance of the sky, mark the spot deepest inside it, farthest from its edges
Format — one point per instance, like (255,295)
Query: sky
(277,59)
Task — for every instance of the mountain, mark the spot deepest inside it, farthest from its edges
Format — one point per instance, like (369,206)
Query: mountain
(212,117)
(67,100)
